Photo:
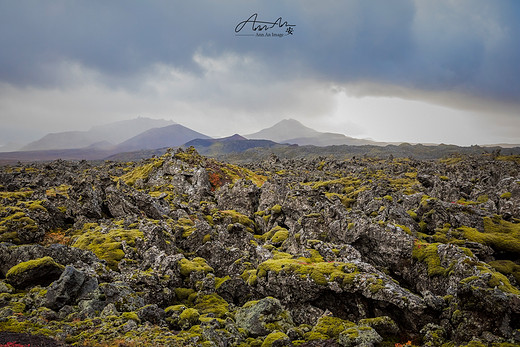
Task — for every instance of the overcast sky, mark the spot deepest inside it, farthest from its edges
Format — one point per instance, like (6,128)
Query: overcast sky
(391,70)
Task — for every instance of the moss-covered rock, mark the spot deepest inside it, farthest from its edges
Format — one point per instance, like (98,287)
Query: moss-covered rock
(40,271)
(275,339)
(188,318)
(198,264)
(264,316)
(359,336)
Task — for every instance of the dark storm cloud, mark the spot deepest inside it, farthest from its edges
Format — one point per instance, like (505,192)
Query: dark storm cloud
(469,47)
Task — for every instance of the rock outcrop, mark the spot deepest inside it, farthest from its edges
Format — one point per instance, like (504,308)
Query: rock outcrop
(185,250)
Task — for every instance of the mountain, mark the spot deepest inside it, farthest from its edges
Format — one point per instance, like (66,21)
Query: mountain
(331,139)
(112,133)
(169,136)
(226,145)
(284,130)
(293,132)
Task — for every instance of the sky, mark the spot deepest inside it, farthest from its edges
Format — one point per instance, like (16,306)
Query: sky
(442,71)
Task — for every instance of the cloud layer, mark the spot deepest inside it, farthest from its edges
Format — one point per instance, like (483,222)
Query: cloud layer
(61,60)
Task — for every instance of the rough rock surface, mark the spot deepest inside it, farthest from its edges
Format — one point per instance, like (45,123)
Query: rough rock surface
(184,250)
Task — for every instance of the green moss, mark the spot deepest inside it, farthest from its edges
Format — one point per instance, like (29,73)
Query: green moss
(428,253)
(32,264)
(451,160)
(271,233)
(507,267)
(189,316)
(175,308)
(198,264)
(345,199)
(506,195)
(141,172)
(319,271)
(237,217)
(212,303)
(131,315)
(273,337)
(388,198)
(376,285)
(18,195)
(280,236)
(404,228)
(331,326)
(312,336)
(482,199)
(498,234)
(501,282)
(276,209)
(219,281)
(107,245)
(183,293)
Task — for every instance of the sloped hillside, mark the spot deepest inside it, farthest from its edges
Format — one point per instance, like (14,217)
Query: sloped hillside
(184,250)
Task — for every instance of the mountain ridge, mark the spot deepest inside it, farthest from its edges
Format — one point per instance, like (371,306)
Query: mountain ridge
(114,133)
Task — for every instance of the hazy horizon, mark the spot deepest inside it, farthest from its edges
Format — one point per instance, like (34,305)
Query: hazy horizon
(406,71)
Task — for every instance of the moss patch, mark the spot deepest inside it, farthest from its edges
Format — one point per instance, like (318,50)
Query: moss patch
(198,264)
(428,253)
(107,244)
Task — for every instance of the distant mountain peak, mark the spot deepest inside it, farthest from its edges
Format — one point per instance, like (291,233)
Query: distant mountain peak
(235,137)
(283,130)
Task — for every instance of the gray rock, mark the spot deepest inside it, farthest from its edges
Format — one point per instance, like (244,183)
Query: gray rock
(264,316)
(73,285)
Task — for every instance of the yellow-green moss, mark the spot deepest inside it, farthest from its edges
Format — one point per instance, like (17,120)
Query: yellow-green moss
(427,253)
(141,172)
(507,267)
(313,335)
(212,303)
(198,264)
(108,245)
(506,195)
(280,236)
(237,217)
(190,316)
(250,277)
(219,281)
(276,209)
(273,337)
(320,272)
(331,326)
(32,264)
(131,315)
(23,194)
(451,160)
(499,234)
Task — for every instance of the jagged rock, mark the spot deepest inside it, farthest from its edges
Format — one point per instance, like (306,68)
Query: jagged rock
(264,316)
(151,313)
(359,336)
(122,296)
(73,285)
(11,255)
(41,271)
(421,250)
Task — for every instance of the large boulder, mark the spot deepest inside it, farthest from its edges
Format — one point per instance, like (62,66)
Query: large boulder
(72,286)
(41,271)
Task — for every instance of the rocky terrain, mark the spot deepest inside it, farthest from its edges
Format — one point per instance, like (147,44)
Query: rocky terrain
(183,250)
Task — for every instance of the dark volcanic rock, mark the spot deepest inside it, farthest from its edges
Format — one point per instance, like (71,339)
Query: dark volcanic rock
(185,250)
(41,271)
